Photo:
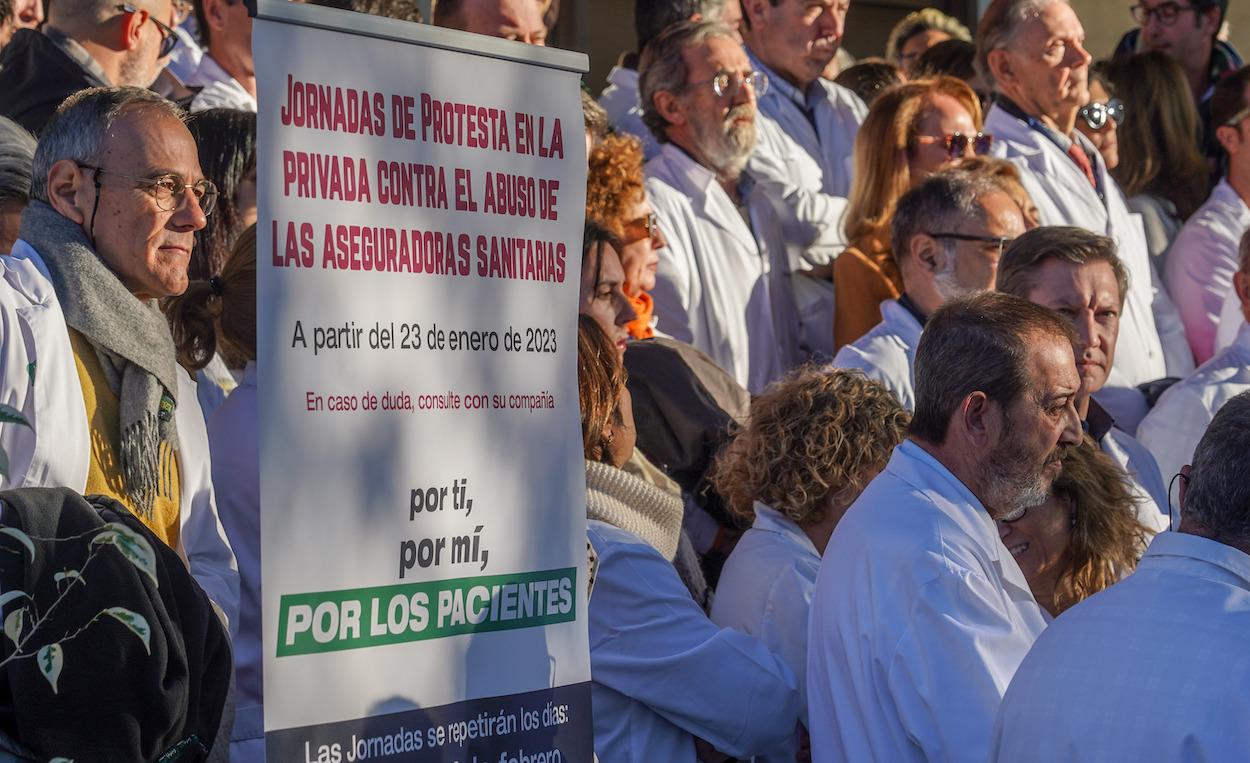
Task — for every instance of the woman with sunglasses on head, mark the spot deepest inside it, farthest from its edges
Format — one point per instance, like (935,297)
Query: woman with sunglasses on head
(616,200)
(911,131)
(1161,170)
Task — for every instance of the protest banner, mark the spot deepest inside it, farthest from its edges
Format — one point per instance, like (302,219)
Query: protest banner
(421,201)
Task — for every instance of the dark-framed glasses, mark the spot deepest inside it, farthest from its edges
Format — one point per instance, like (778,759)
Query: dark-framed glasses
(1166,13)
(1096,114)
(168,190)
(727,83)
(1002,241)
(168,38)
(956,144)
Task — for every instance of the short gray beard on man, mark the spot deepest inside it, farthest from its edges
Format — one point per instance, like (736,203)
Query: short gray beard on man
(728,146)
(1010,484)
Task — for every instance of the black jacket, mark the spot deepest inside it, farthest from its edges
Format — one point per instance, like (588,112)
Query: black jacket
(35,76)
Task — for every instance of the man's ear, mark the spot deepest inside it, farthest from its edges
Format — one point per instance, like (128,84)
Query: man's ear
(669,107)
(754,11)
(1209,21)
(70,191)
(214,14)
(130,35)
(979,420)
(1229,138)
(999,62)
(926,254)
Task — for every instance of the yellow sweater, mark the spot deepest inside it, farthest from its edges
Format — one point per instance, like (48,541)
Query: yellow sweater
(104,476)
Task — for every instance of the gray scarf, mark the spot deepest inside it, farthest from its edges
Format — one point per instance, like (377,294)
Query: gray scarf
(131,339)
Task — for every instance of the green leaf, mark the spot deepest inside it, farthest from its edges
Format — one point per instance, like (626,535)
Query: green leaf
(11,415)
(14,624)
(4,464)
(22,538)
(132,545)
(9,596)
(67,575)
(61,760)
(134,622)
(51,659)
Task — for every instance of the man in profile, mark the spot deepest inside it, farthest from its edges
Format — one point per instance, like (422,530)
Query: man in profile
(519,20)
(920,615)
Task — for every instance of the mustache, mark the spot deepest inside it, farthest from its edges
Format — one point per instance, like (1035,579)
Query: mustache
(740,111)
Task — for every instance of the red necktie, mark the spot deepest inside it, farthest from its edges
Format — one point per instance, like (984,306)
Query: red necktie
(1078,155)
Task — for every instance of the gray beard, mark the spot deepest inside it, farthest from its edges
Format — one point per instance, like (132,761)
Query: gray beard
(727,146)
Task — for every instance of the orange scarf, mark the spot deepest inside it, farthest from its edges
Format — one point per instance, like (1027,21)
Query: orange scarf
(640,328)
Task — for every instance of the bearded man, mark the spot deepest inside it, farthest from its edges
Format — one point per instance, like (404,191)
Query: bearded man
(723,283)
(920,615)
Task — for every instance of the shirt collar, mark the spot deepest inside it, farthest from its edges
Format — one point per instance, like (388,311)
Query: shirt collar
(1098,421)
(907,304)
(1231,565)
(78,53)
(782,87)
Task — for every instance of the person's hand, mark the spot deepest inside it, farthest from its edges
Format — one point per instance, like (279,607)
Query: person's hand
(805,749)
(707,753)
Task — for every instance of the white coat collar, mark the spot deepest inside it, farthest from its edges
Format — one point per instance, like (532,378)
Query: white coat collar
(1232,566)
(770,520)
(707,198)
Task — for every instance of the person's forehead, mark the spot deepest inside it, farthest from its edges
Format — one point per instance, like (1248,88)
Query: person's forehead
(1055,21)
(1052,364)
(714,55)
(152,139)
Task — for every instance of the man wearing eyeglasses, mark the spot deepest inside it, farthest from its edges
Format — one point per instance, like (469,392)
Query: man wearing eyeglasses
(85,43)
(947,236)
(1187,31)
(85,352)
(1037,63)
(723,283)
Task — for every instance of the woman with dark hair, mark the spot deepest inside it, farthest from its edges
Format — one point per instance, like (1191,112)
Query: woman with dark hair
(227,142)
(1161,170)
(661,673)
(601,295)
(1084,537)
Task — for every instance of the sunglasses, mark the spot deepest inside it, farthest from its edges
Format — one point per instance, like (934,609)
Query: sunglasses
(1095,114)
(168,38)
(957,144)
(650,224)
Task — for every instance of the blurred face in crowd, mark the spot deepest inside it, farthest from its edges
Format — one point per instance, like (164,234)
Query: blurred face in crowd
(10,221)
(623,430)
(1045,69)
(1035,431)
(918,43)
(518,20)
(144,63)
(640,247)
(1189,36)
(943,116)
(27,14)
(245,197)
(973,265)
(797,38)
(719,130)
(1104,138)
(604,298)
(1039,542)
(146,247)
(1089,296)
(731,16)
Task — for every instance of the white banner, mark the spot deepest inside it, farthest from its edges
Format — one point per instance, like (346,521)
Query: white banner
(423,523)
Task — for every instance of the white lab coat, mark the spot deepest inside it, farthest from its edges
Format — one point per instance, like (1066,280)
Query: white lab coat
(220,89)
(1153,668)
(807,169)
(888,352)
(620,100)
(1201,264)
(1151,343)
(1179,419)
(662,673)
(233,435)
(720,286)
(1232,318)
(765,589)
(919,620)
(55,451)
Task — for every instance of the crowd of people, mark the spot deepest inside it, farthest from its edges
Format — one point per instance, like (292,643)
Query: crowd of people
(886,369)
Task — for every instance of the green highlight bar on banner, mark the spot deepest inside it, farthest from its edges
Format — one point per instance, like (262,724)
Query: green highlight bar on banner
(358,618)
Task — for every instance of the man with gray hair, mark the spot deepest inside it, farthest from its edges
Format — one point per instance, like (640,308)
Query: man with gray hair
(85,352)
(1079,274)
(723,284)
(85,43)
(17,151)
(920,615)
(651,17)
(1154,667)
(1031,52)
(1172,428)
(948,234)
